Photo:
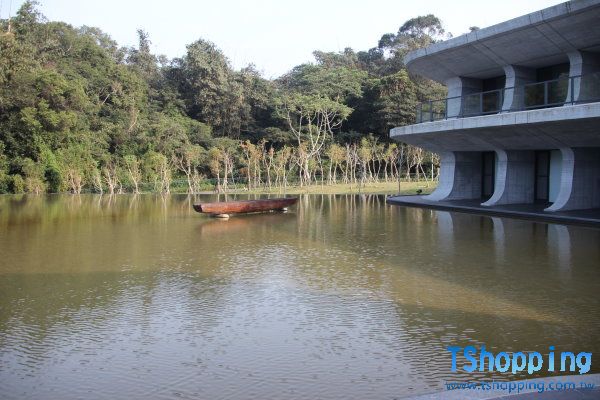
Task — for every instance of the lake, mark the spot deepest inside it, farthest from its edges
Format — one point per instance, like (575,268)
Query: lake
(342,297)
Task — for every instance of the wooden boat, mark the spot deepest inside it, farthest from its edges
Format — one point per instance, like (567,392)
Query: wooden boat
(224,208)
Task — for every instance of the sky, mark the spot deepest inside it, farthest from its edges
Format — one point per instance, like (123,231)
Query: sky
(275,35)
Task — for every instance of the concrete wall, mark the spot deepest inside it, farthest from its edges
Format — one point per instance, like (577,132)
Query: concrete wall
(582,63)
(460,177)
(458,87)
(537,39)
(515,176)
(555,173)
(517,47)
(580,180)
(544,129)
(514,93)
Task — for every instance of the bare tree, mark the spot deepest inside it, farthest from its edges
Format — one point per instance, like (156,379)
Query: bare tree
(134,171)
(312,120)
(110,175)
(214,164)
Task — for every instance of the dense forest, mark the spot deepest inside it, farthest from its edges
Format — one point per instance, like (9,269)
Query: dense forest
(79,113)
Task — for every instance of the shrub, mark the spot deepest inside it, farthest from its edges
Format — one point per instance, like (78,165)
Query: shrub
(17,184)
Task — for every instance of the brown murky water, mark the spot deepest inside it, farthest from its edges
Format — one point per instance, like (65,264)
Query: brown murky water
(343,297)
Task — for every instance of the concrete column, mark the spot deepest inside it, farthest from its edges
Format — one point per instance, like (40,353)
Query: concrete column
(460,176)
(582,63)
(514,93)
(555,173)
(579,180)
(515,178)
(458,87)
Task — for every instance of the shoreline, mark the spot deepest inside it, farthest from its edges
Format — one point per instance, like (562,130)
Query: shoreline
(384,188)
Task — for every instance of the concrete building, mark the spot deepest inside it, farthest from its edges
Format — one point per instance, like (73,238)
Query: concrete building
(521,124)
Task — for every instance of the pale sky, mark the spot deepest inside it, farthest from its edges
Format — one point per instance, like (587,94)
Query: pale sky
(275,35)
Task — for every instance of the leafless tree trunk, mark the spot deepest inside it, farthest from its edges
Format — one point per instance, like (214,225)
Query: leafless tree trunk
(97,181)
(135,173)
(111,177)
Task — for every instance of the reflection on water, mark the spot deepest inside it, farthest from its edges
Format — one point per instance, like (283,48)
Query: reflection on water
(343,297)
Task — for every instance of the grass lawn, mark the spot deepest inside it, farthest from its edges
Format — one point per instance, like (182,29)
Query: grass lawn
(341,188)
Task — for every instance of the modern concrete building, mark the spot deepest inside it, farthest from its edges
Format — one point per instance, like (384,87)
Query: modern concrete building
(521,124)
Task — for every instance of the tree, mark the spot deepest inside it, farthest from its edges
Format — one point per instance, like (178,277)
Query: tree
(397,101)
(78,112)
(282,161)
(4,177)
(336,155)
(423,26)
(141,58)
(34,176)
(312,120)
(252,159)
(256,108)
(338,83)
(110,174)
(158,171)
(211,92)
(227,149)
(187,159)
(134,170)
(76,166)
(215,156)
(415,33)
(27,19)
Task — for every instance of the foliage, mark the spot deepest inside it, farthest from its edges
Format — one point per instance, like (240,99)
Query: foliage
(4,177)
(78,112)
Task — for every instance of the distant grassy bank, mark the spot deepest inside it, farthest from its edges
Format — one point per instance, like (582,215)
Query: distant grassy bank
(342,188)
(207,187)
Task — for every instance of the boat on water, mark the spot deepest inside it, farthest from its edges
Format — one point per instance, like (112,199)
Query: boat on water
(224,208)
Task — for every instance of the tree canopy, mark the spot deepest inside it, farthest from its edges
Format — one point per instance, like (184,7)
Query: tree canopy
(79,112)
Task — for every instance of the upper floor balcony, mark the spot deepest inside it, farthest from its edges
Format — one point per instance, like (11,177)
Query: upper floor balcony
(530,83)
(536,95)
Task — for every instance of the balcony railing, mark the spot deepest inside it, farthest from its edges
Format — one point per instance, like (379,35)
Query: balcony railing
(553,93)
(548,94)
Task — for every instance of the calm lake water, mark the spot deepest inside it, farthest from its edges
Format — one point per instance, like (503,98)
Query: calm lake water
(343,297)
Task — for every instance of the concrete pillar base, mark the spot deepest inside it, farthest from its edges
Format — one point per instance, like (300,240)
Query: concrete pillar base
(579,181)
(460,177)
(514,181)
